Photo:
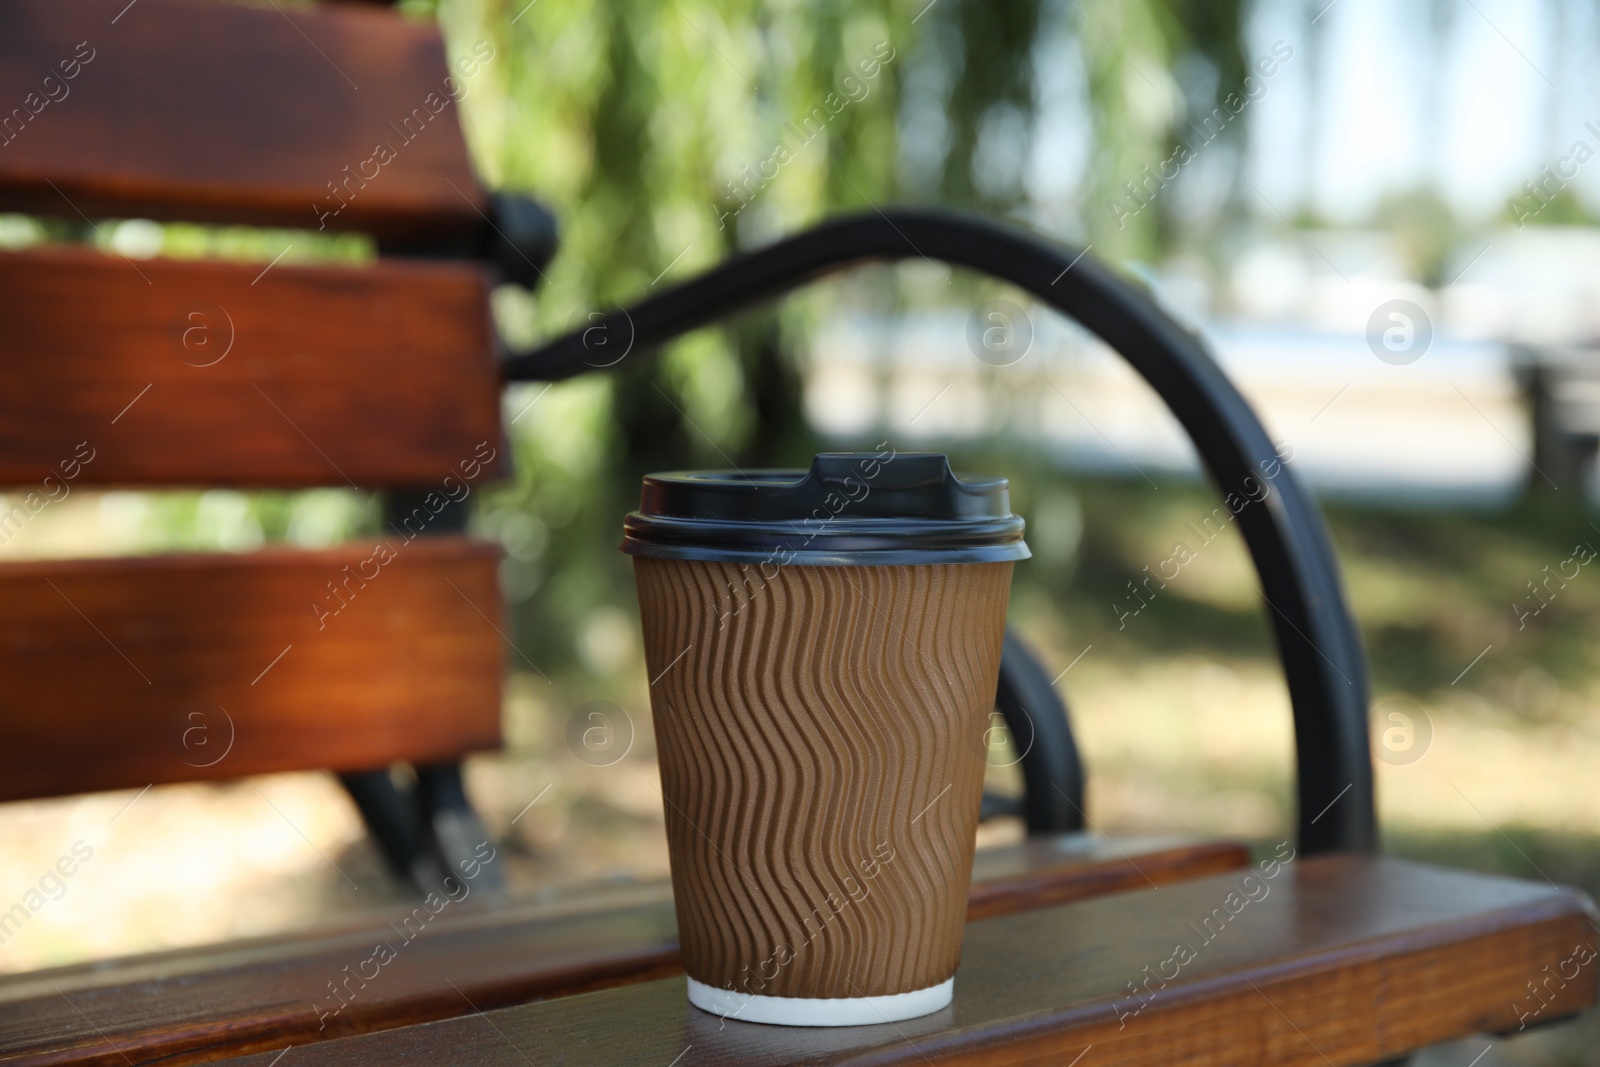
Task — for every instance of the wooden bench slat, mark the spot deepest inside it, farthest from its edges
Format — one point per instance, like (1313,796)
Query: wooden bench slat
(192,1006)
(1346,960)
(124,672)
(223,112)
(369,376)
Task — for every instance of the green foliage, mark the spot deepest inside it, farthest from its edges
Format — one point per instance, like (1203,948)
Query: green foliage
(666,136)
(1560,208)
(1135,108)
(669,136)
(991,104)
(1426,228)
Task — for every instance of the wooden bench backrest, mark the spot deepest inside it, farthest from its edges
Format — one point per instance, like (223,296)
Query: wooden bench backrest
(164,372)
(211,111)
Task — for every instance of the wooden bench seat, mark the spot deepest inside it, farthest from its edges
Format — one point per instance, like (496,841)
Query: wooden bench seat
(1338,959)
(196,1005)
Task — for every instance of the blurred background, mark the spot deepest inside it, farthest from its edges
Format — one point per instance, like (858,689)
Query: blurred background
(1381,215)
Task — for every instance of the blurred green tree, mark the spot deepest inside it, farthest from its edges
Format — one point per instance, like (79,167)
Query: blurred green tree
(668,136)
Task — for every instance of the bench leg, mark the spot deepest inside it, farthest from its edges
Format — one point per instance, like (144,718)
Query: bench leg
(427,830)
(452,832)
(390,813)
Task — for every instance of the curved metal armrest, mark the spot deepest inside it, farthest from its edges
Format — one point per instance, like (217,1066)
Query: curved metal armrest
(1321,651)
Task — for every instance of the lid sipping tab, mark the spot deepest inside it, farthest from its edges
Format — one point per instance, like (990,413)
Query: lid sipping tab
(919,484)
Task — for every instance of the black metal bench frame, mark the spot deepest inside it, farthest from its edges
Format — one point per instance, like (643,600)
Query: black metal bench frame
(1318,643)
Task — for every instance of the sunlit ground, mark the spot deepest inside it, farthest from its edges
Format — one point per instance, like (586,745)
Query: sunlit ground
(1181,715)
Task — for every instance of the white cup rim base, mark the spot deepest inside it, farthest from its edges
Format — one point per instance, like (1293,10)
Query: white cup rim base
(820,1011)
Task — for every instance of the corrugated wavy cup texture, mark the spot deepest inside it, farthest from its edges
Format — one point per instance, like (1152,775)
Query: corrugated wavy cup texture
(820,737)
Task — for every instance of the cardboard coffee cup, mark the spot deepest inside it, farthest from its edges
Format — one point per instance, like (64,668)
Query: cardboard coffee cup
(823,646)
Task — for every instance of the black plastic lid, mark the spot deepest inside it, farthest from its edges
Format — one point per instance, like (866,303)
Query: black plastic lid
(850,509)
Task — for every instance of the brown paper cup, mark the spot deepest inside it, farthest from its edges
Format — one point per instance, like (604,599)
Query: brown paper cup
(815,728)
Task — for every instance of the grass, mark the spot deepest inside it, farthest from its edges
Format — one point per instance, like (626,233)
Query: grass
(1190,685)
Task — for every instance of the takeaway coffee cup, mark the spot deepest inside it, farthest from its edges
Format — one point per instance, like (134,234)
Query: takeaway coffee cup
(823,649)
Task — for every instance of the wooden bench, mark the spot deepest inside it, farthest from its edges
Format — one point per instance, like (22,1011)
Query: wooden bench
(166,120)
(1336,960)
(197,1005)
(384,376)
